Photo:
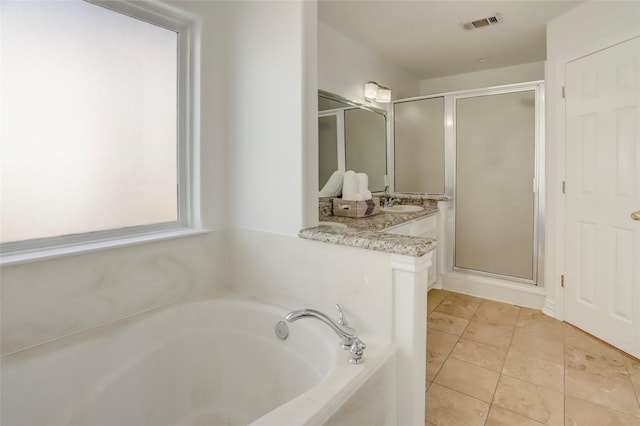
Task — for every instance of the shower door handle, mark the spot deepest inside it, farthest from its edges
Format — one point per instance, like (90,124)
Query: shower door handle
(635,215)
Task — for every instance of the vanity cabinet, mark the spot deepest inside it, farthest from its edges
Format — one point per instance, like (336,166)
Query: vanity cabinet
(423,227)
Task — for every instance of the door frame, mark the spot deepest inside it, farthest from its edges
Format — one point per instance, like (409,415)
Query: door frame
(555,259)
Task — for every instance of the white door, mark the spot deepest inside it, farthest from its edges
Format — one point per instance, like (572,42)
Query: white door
(602,240)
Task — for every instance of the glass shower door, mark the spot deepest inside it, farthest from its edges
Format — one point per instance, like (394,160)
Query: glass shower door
(495,199)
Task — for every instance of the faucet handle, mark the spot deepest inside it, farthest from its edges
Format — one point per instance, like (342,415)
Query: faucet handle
(341,319)
(357,352)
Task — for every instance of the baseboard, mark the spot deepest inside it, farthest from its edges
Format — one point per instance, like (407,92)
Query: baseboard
(437,284)
(505,291)
(549,307)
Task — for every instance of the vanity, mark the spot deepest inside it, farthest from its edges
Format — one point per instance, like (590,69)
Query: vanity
(353,136)
(422,227)
(411,228)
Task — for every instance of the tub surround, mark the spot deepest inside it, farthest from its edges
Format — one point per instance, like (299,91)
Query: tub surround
(304,379)
(383,295)
(411,258)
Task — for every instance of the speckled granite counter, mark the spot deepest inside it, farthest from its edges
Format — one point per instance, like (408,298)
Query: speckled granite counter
(365,232)
(382,220)
(370,240)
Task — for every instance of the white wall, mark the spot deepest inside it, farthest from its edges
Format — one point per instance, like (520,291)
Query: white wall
(588,27)
(310,274)
(273,157)
(49,299)
(488,78)
(268,107)
(344,66)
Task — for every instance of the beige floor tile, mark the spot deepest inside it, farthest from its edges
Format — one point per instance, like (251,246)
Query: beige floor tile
(438,341)
(469,379)
(446,323)
(464,298)
(597,359)
(527,314)
(611,392)
(574,337)
(434,297)
(544,330)
(439,293)
(501,417)
(633,366)
(535,323)
(539,347)
(448,407)
(457,309)
(470,341)
(579,412)
(434,363)
(484,333)
(497,314)
(481,354)
(534,370)
(529,400)
(500,307)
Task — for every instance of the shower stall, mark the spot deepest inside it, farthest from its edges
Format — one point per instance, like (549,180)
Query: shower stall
(484,149)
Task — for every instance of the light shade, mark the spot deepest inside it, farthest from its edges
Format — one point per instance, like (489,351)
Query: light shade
(384,94)
(371,90)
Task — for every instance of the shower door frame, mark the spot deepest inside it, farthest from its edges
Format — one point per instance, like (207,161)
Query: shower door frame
(537,186)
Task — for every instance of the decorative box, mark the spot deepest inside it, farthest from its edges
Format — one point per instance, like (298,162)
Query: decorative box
(356,208)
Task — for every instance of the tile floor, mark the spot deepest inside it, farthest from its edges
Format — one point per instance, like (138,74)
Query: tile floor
(491,363)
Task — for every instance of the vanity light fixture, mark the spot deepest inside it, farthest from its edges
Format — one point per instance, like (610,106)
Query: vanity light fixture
(371,91)
(375,92)
(384,94)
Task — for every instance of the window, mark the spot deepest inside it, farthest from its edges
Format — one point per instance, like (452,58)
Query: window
(95,118)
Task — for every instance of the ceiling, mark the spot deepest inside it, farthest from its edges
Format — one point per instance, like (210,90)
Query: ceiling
(427,39)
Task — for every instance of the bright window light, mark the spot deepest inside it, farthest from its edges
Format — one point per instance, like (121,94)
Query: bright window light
(89,137)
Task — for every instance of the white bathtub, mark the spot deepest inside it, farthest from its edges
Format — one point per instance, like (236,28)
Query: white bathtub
(211,361)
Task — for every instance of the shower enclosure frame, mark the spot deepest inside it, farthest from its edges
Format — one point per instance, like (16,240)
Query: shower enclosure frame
(450,189)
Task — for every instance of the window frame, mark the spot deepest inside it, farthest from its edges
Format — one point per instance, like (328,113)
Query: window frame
(188,222)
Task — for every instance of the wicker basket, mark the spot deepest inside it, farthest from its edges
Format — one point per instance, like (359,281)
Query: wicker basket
(356,208)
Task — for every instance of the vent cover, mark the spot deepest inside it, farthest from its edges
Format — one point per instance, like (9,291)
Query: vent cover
(484,22)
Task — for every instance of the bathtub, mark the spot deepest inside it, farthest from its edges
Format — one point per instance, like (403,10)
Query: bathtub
(208,361)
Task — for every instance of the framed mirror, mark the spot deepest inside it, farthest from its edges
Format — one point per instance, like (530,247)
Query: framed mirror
(351,136)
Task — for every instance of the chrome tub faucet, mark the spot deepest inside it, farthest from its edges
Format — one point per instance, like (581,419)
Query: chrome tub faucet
(348,337)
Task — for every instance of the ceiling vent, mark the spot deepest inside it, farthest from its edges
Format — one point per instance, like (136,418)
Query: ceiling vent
(484,22)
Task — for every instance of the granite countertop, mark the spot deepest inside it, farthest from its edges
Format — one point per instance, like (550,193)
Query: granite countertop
(381,220)
(365,232)
(370,240)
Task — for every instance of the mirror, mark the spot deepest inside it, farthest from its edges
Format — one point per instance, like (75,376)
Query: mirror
(351,136)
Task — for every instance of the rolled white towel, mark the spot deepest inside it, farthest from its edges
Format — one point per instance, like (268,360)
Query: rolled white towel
(333,187)
(362,196)
(350,184)
(363,182)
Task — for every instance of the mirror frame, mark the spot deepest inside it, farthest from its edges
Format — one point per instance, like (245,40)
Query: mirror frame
(338,98)
(356,104)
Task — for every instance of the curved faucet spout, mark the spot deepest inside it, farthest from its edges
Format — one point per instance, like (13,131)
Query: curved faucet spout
(346,333)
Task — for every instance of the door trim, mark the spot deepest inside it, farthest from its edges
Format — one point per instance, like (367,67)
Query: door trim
(554,300)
